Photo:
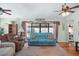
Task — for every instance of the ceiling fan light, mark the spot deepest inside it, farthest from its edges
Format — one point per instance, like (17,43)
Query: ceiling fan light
(65,13)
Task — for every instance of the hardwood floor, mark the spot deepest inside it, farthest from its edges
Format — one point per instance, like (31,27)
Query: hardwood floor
(41,51)
(69,48)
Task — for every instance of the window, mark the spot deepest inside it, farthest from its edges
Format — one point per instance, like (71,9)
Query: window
(44,29)
(35,27)
(51,30)
(36,30)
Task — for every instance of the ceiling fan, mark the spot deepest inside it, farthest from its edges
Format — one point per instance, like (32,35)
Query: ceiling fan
(4,11)
(67,9)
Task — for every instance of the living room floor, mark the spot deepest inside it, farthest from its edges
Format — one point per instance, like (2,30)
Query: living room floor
(42,51)
(69,48)
(61,49)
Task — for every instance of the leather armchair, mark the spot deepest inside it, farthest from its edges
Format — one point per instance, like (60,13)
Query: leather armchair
(19,42)
(7,49)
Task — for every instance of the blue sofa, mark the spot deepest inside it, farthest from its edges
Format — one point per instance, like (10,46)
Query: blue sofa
(40,39)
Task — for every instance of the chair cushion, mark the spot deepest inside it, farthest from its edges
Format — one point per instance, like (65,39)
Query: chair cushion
(6,51)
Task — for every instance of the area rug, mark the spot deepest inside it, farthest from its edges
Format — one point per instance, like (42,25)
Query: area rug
(42,51)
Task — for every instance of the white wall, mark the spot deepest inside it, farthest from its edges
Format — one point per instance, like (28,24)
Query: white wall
(4,24)
(5,21)
(62,33)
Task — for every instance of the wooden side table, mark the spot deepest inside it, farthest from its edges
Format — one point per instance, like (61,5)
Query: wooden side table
(77,46)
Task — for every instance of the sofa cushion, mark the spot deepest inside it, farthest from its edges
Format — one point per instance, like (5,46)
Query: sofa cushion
(33,36)
(6,51)
(39,35)
(51,36)
(41,39)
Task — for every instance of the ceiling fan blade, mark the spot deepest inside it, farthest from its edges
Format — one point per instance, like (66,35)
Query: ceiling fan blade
(6,10)
(1,8)
(75,7)
(60,13)
(56,11)
(64,4)
(6,13)
(71,11)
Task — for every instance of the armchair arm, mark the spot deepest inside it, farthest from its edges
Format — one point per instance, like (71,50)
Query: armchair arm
(8,44)
(20,38)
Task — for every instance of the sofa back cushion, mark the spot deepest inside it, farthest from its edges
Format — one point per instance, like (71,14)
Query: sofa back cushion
(51,36)
(40,35)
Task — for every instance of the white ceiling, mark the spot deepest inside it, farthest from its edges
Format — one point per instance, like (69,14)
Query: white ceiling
(34,10)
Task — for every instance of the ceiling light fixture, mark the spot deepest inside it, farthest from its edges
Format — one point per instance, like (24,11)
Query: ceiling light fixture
(65,13)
